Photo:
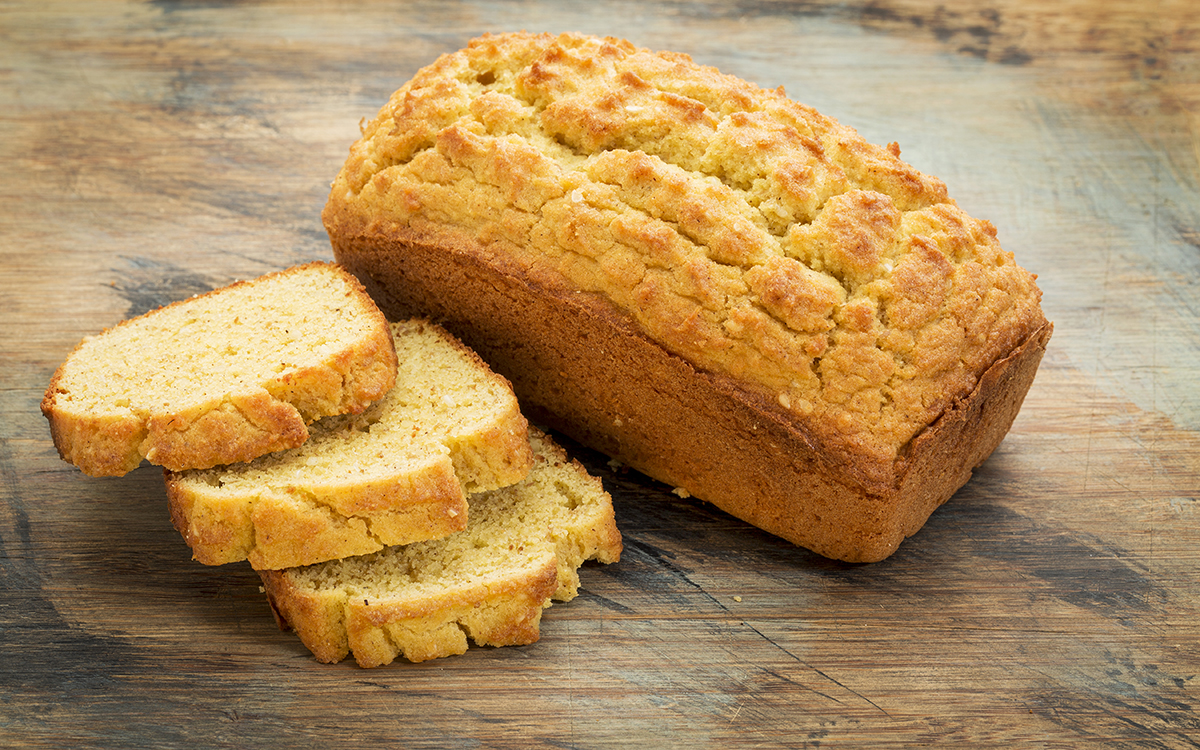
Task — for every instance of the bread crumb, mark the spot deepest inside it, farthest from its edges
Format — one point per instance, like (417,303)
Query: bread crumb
(737,599)
(681,492)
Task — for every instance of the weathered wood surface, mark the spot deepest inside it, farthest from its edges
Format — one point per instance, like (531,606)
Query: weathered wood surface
(155,150)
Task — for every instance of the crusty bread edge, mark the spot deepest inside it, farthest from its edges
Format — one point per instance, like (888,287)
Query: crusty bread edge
(501,610)
(580,366)
(497,612)
(288,526)
(500,457)
(293,526)
(242,427)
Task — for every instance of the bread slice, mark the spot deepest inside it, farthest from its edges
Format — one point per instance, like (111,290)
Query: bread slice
(522,548)
(396,473)
(717,285)
(221,377)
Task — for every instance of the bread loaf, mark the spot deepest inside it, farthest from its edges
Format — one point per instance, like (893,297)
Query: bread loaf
(522,548)
(396,473)
(715,284)
(221,377)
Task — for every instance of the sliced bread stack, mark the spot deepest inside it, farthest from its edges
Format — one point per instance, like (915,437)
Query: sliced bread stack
(396,473)
(490,582)
(297,427)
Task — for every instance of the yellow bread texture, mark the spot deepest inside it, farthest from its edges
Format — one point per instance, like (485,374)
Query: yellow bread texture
(488,584)
(398,472)
(725,288)
(221,377)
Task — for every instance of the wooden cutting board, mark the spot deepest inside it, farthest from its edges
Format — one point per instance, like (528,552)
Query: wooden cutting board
(155,150)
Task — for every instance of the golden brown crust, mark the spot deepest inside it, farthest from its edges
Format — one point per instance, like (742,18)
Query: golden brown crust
(499,613)
(280,527)
(223,420)
(395,474)
(579,366)
(657,238)
(504,612)
(487,584)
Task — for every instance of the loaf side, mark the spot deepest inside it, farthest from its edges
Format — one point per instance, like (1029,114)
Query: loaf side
(717,285)
(581,367)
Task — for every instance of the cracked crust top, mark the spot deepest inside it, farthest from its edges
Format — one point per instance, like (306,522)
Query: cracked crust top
(224,376)
(742,231)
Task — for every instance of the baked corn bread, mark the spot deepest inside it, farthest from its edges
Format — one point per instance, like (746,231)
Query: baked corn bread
(221,377)
(399,472)
(715,284)
(521,550)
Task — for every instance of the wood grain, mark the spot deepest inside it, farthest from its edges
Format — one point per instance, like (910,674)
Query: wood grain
(155,150)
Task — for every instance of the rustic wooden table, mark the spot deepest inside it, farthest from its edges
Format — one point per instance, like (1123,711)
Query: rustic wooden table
(154,150)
